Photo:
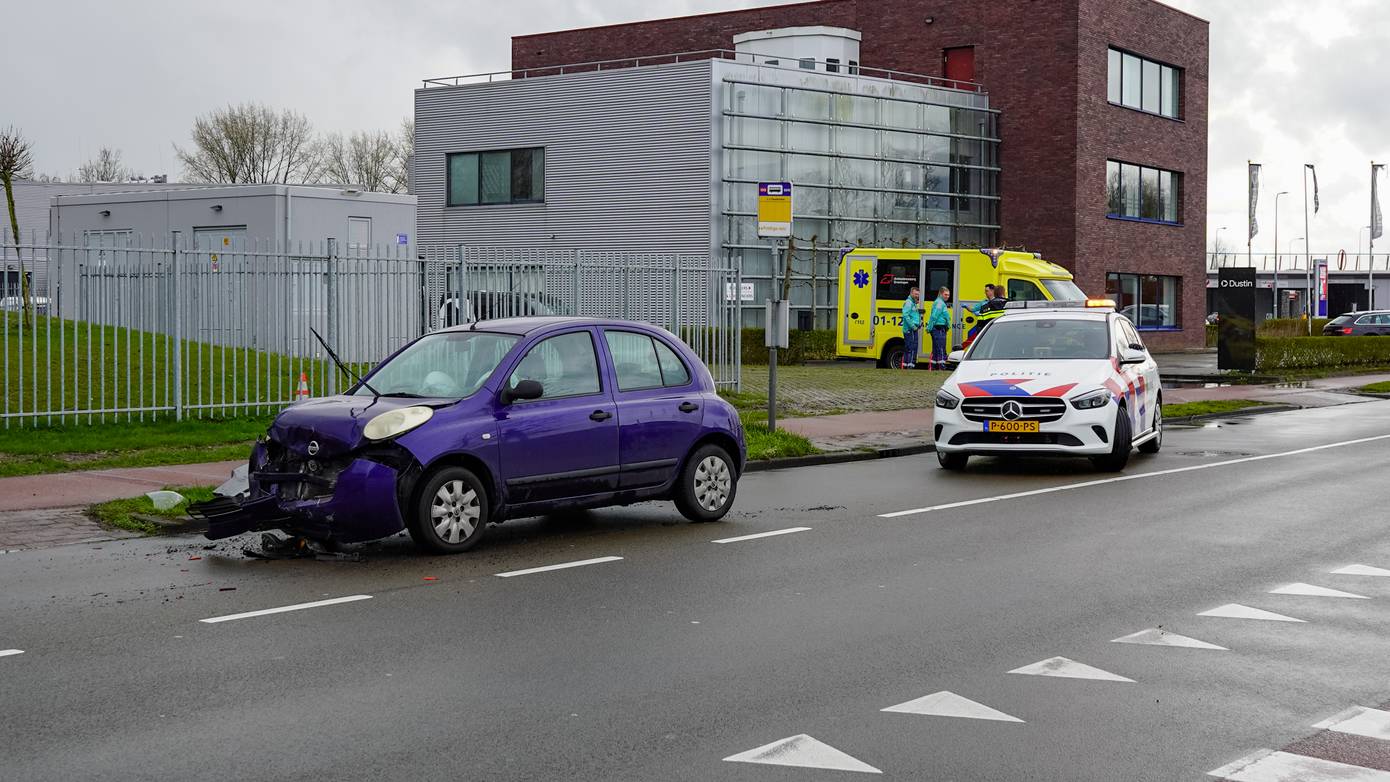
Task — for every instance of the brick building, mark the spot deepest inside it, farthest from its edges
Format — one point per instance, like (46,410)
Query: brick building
(1101,116)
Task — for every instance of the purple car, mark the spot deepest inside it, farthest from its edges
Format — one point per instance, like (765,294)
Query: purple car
(502,419)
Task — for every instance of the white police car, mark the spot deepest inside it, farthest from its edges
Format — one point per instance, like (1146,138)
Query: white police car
(1052,379)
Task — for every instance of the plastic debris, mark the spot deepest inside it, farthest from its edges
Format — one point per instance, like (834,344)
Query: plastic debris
(431,578)
(191,559)
(235,486)
(226,589)
(166,500)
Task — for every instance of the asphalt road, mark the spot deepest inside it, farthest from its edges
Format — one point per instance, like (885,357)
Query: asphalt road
(684,652)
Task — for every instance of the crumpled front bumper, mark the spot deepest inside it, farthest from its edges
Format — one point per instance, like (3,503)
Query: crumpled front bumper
(362,506)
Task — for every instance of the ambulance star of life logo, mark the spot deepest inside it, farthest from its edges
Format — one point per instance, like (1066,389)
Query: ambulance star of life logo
(861,278)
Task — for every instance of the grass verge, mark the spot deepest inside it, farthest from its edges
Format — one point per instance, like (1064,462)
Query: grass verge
(781,444)
(104,446)
(138,514)
(1377,388)
(1213,407)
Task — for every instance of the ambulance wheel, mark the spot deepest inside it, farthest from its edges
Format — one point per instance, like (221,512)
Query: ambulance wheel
(1122,443)
(893,355)
(955,462)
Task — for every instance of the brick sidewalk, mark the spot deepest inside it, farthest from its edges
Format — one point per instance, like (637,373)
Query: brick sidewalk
(80,489)
(52,527)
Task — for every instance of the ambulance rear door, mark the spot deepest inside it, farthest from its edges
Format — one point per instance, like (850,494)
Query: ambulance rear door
(858,304)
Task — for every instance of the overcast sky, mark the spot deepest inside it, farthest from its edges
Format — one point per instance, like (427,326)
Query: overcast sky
(1292,81)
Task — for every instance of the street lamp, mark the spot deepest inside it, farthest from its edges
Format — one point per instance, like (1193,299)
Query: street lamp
(1276,250)
(1216,244)
(1291,244)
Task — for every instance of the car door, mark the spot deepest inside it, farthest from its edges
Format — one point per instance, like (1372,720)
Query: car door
(660,408)
(564,444)
(1144,378)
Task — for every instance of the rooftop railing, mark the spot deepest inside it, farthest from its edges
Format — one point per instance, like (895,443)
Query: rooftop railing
(1298,262)
(751,58)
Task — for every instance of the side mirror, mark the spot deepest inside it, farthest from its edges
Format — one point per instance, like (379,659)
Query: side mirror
(526,389)
(955,357)
(1132,356)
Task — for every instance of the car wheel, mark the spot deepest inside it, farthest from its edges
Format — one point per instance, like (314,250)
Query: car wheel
(954,462)
(1152,445)
(707,484)
(451,514)
(1122,443)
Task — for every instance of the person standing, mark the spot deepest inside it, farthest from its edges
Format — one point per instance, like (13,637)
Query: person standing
(912,328)
(989,295)
(938,322)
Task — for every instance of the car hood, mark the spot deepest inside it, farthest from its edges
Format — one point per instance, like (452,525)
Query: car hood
(335,423)
(1059,377)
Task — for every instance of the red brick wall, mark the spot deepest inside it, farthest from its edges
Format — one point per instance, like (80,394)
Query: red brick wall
(1113,132)
(1043,63)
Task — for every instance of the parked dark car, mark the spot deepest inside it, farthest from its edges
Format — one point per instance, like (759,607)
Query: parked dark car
(509,418)
(1374,323)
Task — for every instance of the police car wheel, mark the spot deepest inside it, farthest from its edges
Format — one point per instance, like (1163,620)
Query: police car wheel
(1122,443)
(954,462)
(450,513)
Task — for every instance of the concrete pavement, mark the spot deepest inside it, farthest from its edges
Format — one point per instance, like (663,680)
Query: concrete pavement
(80,489)
(695,652)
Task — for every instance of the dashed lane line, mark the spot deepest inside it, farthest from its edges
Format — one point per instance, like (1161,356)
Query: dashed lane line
(1159,637)
(561,566)
(1238,611)
(1064,668)
(1361,570)
(10,652)
(1360,721)
(1312,590)
(773,533)
(1134,477)
(803,751)
(285,609)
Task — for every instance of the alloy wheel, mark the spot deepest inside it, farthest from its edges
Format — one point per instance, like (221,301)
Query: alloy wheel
(455,511)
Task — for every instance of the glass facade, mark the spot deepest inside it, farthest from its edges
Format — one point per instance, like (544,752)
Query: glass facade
(1143,193)
(1137,83)
(872,164)
(1150,301)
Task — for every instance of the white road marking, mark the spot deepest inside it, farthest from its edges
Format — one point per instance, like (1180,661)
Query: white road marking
(561,566)
(1268,766)
(1157,637)
(1310,590)
(802,751)
(1068,669)
(1237,611)
(1362,570)
(10,652)
(1134,477)
(949,704)
(1360,721)
(283,609)
(787,531)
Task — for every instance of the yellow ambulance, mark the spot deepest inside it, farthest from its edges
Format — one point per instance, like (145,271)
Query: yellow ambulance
(874,283)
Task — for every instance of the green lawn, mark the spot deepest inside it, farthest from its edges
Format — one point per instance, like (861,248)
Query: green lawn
(63,364)
(1377,388)
(841,387)
(135,514)
(1213,407)
(102,446)
(780,444)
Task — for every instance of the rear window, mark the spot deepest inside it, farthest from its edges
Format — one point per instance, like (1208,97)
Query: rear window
(1339,320)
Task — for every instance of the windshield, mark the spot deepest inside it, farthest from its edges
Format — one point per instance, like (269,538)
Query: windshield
(1063,290)
(1040,338)
(445,365)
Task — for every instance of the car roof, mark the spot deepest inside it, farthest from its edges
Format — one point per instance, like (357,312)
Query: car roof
(541,322)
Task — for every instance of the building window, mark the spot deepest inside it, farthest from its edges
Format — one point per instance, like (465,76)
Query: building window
(1144,85)
(1141,193)
(1149,301)
(832,65)
(808,63)
(508,176)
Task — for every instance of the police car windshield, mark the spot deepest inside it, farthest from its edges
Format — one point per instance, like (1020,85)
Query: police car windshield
(1032,339)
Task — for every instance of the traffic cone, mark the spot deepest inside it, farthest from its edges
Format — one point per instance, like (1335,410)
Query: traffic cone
(303,392)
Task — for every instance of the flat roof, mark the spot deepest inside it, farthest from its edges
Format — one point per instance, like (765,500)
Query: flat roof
(196,192)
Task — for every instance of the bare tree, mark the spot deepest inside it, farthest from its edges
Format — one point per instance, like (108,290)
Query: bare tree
(105,167)
(16,162)
(368,160)
(251,144)
(407,153)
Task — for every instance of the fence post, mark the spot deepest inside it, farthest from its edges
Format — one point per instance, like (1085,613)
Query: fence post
(331,309)
(178,324)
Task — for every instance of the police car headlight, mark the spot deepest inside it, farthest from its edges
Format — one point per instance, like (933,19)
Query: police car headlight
(1090,401)
(946,399)
(396,422)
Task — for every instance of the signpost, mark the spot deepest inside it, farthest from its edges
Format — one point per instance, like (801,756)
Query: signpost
(1235,306)
(775,222)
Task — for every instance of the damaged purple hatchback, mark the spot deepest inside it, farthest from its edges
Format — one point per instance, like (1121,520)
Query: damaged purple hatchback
(503,419)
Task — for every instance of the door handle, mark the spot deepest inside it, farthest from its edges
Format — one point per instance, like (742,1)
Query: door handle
(600,415)
(688,407)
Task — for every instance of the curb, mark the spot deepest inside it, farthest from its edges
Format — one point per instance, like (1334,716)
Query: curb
(817,460)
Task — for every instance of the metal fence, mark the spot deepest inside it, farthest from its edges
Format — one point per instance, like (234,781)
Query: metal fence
(1297,261)
(145,329)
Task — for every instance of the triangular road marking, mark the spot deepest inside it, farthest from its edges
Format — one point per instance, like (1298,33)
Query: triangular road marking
(1310,590)
(949,704)
(802,751)
(1068,669)
(1362,570)
(1360,721)
(1267,766)
(1237,611)
(1157,637)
